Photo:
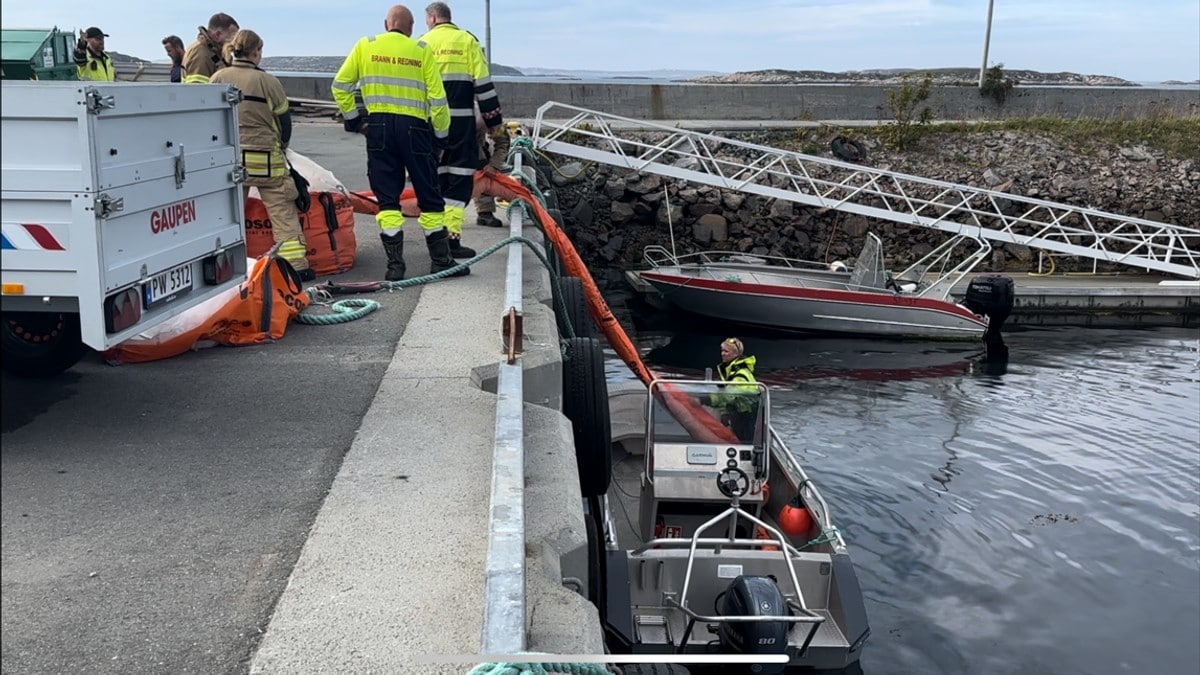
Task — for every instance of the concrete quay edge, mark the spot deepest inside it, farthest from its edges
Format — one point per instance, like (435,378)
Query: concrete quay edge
(393,569)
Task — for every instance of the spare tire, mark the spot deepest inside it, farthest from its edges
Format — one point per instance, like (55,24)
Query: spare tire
(585,403)
(848,150)
(577,317)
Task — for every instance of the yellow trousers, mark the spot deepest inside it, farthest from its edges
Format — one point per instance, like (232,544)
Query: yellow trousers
(279,197)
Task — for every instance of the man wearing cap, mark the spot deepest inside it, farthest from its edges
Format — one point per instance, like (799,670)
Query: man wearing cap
(90,58)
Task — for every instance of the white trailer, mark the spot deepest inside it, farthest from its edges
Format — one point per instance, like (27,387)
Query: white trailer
(122,207)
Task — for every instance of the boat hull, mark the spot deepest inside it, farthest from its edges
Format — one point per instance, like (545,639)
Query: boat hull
(817,303)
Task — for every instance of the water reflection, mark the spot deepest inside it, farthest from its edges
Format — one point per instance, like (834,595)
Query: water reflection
(787,361)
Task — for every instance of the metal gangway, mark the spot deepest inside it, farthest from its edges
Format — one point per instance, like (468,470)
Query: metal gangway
(725,163)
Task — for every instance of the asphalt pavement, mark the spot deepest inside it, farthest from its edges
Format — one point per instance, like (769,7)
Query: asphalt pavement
(152,513)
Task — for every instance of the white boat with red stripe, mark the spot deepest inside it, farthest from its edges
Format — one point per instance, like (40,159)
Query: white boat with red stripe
(866,299)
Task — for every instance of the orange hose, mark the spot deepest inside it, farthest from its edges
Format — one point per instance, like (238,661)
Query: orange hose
(697,420)
(694,417)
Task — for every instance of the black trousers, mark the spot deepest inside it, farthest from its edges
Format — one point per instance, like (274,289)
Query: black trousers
(456,175)
(396,143)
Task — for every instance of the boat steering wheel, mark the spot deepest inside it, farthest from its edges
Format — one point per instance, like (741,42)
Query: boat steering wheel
(733,482)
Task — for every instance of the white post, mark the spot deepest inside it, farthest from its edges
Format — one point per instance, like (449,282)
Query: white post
(987,39)
(487,22)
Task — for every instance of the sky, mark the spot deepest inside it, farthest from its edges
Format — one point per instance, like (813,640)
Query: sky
(1138,40)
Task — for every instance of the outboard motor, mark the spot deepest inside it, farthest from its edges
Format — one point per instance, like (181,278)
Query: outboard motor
(992,296)
(754,596)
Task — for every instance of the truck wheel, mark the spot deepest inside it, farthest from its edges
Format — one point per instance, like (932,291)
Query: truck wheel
(585,403)
(40,344)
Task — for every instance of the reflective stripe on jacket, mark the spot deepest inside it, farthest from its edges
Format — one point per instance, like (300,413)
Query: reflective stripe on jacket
(98,68)
(397,75)
(465,72)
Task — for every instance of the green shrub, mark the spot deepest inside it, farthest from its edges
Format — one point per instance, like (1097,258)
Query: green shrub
(996,85)
(910,116)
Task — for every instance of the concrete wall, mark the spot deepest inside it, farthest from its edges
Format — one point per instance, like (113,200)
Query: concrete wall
(811,102)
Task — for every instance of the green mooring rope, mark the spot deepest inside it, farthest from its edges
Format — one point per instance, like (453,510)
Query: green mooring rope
(350,310)
(540,669)
(343,311)
(356,308)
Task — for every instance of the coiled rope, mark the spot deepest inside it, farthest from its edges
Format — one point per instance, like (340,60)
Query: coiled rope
(344,311)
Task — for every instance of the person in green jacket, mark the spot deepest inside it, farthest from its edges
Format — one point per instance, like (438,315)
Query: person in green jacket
(739,408)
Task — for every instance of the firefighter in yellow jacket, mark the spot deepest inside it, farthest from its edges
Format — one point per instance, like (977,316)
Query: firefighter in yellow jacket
(407,125)
(464,70)
(205,56)
(265,127)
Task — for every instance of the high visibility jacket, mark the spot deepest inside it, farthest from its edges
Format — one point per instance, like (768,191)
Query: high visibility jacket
(397,75)
(743,398)
(92,67)
(202,59)
(465,72)
(263,103)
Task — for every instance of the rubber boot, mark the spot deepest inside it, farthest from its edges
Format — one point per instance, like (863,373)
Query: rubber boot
(394,248)
(457,250)
(489,220)
(438,244)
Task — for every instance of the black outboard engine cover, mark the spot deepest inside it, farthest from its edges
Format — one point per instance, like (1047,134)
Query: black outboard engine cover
(993,297)
(754,596)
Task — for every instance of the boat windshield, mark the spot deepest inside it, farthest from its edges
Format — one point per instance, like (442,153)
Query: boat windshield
(708,412)
(869,270)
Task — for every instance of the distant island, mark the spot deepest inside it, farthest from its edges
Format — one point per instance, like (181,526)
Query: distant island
(892,76)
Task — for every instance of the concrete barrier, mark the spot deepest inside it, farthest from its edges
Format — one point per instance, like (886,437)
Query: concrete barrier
(684,101)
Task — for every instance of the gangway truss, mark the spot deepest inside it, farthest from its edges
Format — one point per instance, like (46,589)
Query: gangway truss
(730,164)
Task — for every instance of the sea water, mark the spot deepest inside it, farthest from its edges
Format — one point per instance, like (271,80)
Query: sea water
(1034,515)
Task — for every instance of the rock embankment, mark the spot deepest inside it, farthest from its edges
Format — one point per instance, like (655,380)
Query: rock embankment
(940,77)
(612,214)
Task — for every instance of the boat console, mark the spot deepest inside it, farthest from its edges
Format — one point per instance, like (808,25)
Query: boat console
(694,465)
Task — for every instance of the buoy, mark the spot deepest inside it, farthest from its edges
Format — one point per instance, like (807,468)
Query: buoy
(795,520)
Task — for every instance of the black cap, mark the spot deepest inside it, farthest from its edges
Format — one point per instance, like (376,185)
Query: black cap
(94,32)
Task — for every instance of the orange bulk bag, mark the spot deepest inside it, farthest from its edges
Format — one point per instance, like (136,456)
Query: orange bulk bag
(328,227)
(329,233)
(269,299)
(258,310)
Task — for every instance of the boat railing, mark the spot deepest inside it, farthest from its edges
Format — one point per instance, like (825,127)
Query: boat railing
(807,489)
(800,613)
(946,264)
(658,256)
